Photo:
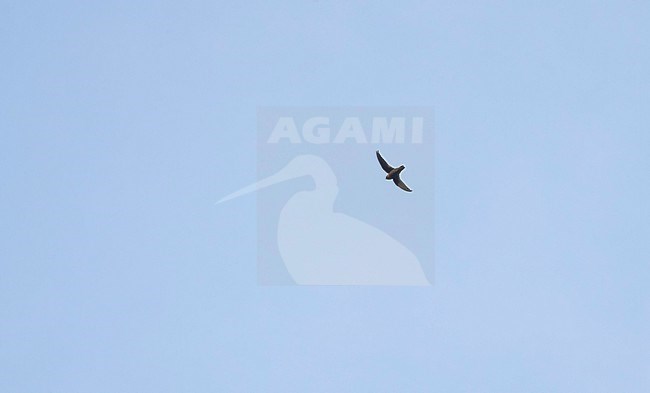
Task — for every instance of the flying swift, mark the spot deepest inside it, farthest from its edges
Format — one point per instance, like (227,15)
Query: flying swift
(393,173)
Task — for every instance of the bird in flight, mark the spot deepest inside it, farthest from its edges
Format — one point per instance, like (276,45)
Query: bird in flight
(393,173)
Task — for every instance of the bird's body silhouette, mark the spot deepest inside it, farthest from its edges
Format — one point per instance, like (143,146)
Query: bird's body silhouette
(393,173)
(322,247)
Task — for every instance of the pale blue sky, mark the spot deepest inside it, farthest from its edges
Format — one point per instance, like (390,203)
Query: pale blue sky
(118,122)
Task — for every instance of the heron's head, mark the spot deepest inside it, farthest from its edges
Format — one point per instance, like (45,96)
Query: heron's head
(304,165)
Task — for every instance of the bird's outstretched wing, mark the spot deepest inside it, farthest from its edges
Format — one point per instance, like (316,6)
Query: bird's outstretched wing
(383,163)
(399,183)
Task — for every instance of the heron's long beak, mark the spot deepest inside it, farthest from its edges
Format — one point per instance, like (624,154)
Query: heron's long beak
(279,177)
(304,165)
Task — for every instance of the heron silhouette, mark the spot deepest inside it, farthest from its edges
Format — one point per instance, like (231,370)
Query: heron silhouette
(323,247)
